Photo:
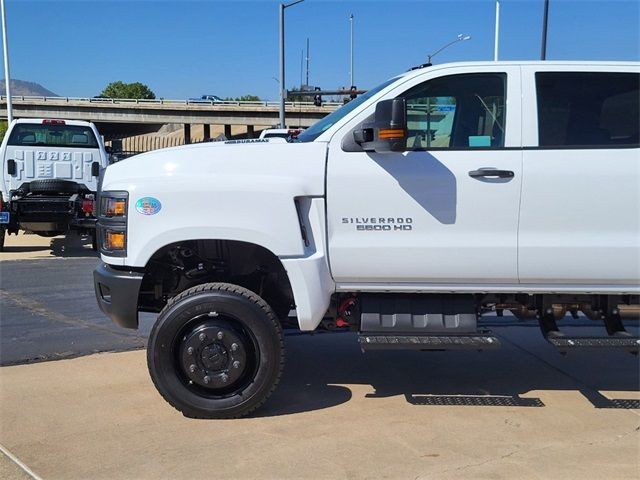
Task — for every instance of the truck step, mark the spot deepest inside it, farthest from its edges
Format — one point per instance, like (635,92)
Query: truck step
(563,342)
(478,341)
(617,337)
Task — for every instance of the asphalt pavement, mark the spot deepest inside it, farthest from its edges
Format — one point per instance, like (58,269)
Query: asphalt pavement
(523,411)
(49,312)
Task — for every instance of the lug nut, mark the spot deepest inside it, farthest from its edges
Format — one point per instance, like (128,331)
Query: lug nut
(225,378)
(202,337)
(236,364)
(234,347)
(192,368)
(190,350)
(220,335)
(206,379)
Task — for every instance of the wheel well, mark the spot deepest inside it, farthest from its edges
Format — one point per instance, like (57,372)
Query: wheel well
(182,265)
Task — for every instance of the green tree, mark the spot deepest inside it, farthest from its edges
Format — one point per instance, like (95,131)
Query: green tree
(120,89)
(244,98)
(294,96)
(3,129)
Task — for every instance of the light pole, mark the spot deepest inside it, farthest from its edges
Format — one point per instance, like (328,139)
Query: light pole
(307,58)
(7,77)
(461,38)
(495,47)
(351,70)
(283,88)
(545,19)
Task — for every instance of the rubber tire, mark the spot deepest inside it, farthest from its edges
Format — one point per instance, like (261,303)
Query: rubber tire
(255,315)
(53,185)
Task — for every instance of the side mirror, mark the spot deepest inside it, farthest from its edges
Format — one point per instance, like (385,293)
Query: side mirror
(388,133)
(95,169)
(11,167)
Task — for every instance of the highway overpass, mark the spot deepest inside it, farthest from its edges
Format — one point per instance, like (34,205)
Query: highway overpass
(107,111)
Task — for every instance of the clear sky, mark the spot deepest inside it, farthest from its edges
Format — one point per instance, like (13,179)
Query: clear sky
(183,49)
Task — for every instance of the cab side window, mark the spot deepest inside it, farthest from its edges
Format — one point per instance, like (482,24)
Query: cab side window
(588,109)
(457,111)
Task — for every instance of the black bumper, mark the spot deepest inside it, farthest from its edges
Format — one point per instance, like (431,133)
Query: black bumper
(50,213)
(117,294)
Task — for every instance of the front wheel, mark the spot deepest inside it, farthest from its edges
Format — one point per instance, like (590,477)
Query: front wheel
(216,351)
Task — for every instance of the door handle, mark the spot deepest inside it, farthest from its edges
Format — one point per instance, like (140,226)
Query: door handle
(490,172)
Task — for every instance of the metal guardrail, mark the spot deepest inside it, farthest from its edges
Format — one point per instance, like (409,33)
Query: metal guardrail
(160,101)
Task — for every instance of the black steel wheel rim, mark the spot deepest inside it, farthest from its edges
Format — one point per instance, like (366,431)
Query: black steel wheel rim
(216,356)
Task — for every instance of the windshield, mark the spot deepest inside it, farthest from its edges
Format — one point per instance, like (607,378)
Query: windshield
(43,135)
(313,132)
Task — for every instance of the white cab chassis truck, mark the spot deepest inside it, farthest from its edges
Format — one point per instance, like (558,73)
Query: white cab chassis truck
(49,170)
(445,193)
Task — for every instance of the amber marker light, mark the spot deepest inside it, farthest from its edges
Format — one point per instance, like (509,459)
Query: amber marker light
(391,133)
(114,240)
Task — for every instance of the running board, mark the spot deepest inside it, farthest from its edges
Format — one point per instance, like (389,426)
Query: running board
(563,343)
(480,341)
(617,337)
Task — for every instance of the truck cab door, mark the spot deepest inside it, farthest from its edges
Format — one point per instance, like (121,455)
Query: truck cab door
(580,210)
(434,214)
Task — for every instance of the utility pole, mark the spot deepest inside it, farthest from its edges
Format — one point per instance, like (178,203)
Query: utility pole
(495,47)
(283,88)
(545,20)
(307,80)
(7,77)
(351,69)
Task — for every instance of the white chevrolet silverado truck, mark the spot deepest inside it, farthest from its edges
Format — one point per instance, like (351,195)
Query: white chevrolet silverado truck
(445,193)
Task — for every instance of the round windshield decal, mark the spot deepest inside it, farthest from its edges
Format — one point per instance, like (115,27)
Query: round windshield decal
(148,206)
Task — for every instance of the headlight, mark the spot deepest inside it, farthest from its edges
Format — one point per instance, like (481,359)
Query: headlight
(113,207)
(112,223)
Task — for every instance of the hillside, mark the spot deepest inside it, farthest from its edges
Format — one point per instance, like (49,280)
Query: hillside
(21,87)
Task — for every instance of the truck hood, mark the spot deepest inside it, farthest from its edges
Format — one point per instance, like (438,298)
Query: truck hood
(258,164)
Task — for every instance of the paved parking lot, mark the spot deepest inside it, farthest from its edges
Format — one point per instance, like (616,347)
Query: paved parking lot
(523,411)
(49,309)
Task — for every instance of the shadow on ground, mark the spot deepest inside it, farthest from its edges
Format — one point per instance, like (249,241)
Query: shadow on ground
(72,245)
(319,367)
(25,249)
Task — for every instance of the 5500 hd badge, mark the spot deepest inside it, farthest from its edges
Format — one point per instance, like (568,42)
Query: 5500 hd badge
(380,224)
